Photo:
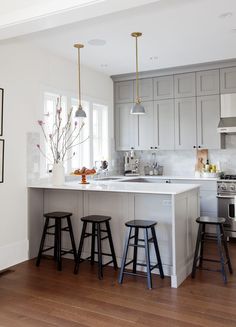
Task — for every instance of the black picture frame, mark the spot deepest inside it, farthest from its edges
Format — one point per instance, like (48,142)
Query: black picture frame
(2,147)
(1,110)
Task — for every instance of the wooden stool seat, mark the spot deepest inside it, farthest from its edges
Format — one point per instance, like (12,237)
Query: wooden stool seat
(96,221)
(141,223)
(145,225)
(58,217)
(203,237)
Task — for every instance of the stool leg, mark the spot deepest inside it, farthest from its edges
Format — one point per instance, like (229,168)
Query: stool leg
(42,242)
(226,249)
(58,223)
(55,243)
(99,246)
(81,243)
(111,245)
(195,259)
(147,254)
(93,243)
(202,244)
(71,237)
(219,244)
(122,268)
(157,252)
(135,250)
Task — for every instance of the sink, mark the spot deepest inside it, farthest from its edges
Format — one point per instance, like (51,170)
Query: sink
(142,180)
(107,179)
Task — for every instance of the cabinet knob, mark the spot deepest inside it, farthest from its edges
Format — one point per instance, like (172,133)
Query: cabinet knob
(132,148)
(199,146)
(156,147)
(151,147)
(194,146)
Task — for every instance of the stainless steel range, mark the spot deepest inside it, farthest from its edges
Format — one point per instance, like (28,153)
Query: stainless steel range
(226,194)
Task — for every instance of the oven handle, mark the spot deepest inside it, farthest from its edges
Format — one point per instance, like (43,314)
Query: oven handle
(226,196)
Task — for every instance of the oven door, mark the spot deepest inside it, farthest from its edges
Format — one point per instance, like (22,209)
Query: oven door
(227,209)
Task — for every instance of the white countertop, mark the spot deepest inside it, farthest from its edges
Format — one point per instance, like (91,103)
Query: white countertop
(121,187)
(170,177)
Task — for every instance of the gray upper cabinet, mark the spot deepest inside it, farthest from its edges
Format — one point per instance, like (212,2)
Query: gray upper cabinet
(228,80)
(208,116)
(163,87)
(184,85)
(208,82)
(124,92)
(164,125)
(146,128)
(145,89)
(185,123)
(126,128)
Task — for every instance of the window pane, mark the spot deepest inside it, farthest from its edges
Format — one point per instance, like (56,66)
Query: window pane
(81,152)
(100,132)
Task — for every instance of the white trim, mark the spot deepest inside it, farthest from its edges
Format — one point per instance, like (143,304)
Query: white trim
(13,254)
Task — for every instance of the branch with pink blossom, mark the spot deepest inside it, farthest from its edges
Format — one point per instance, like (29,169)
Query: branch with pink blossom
(61,137)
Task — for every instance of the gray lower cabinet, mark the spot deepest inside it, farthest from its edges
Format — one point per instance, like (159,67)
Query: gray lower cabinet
(164,122)
(126,130)
(208,116)
(124,92)
(185,123)
(208,82)
(163,87)
(228,80)
(184,85)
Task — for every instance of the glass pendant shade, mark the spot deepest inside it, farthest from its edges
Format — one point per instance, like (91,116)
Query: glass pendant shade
(137,109)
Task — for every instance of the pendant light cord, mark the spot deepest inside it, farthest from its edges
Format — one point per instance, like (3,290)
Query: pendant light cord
(137,77)
(79,84)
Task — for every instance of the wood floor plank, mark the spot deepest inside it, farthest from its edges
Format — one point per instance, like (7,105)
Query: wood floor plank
(44,297)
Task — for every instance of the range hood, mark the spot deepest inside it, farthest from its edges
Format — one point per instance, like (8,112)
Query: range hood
(227,122)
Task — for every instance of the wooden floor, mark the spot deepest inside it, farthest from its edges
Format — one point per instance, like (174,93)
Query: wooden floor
(31,296)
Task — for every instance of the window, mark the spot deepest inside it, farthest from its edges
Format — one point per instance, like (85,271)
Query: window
(94,139)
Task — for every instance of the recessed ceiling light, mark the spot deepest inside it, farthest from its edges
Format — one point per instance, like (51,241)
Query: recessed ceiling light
(234,30)
(226,15)
(97,42)
(104,65)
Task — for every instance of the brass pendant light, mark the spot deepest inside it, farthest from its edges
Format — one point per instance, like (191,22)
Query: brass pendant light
(138,108)
(80,113)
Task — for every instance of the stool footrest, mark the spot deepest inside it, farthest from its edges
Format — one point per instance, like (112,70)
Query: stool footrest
(128,263)
(47,249)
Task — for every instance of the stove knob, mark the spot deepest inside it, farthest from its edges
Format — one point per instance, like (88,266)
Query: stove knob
(232,187)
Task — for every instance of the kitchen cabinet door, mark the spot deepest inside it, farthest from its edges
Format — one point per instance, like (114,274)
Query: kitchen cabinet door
(124,92)
(208,116)
(146,128)
(126,127)
(228,80)
(185,123)
(163,87)
(145,89)
(164,125)
(208,82)
(184,85)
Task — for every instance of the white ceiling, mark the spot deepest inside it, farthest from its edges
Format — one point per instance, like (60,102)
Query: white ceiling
(178,32)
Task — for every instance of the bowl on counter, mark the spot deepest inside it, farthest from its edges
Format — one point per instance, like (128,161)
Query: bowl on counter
(209,175)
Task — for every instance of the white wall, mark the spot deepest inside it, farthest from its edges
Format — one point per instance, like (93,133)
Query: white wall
(24,73)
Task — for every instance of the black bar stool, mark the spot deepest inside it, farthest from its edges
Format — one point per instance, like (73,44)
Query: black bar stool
(96,221)
(220,239)
(145,225)
(57,226)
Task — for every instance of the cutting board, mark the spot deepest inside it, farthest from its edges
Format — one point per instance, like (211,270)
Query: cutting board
(201,158)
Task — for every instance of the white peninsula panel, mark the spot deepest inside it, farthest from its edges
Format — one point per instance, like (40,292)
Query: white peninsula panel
(175,211)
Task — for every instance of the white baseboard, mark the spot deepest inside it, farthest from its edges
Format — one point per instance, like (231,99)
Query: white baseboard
(13,254)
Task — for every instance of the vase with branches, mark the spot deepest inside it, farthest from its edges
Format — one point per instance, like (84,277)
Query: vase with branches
(61,137)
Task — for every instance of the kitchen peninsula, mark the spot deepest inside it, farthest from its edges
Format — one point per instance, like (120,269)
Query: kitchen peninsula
(174,206)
